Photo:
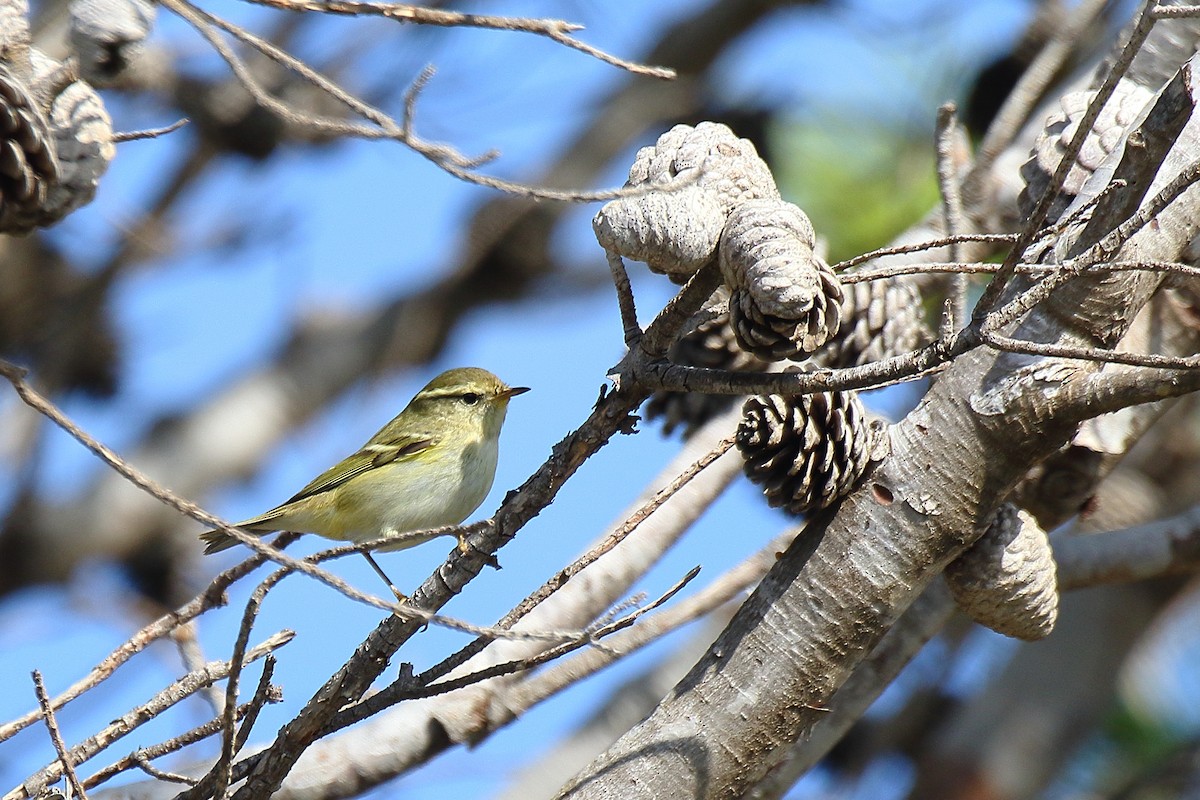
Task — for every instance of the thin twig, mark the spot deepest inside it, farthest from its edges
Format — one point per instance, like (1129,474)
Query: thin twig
(1175,12)
(197,734)
(625,302)
(954,313)
(221,774)
(145,766)
(488,632)
(264,693)
(726,587)
(883,273)
(665,376)
(553,29)
(178,691)
(212,597)
(932,244)
(193,658)
(995,289)
(525,664)
(60,747)
(1103,355)
(148,133)
(381,125)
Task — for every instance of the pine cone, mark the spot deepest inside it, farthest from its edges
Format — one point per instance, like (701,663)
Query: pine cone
(107,35)
(880,319)
(1007,580)
(28,166)
(57,121)
(807,451)
(83,136)
(726,166)
(711,345)
(785,302)
(676,232)
(1106,135)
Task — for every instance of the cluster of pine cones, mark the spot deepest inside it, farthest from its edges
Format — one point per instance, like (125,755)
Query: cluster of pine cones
(781,303)
(782,307)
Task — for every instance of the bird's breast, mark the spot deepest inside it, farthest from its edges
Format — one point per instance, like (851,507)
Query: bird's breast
(428,491)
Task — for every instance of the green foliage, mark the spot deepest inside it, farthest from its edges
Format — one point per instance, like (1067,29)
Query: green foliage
(1143,740)
(859,182)
(1132,755)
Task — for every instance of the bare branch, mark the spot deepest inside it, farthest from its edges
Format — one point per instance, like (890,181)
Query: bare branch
(1101,354)
(60,747)
(917,247)
(212,597)
(145,766)
(625,302)
(525,664)
(185,639)
(954,314)
(264,693)
(994,291)
(883,273)
(381,125)
(554,29)
(1175,12)
(1142,552)
(537,688)
(197,734)
(132,719)
(1110,391)
(149,133)
(218,779)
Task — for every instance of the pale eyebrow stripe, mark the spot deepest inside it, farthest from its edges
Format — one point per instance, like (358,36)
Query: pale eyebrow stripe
(448,392)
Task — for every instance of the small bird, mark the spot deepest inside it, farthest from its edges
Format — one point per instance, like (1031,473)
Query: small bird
(429,467)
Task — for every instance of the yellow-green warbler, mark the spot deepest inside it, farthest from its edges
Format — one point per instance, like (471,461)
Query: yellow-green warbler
(430,466)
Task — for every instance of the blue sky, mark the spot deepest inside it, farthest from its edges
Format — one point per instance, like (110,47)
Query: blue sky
(342,226)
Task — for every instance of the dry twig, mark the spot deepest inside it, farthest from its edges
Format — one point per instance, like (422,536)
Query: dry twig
(954,313)
(1029,231)
(60,747)
(554,29)
(132,719)
(145,754)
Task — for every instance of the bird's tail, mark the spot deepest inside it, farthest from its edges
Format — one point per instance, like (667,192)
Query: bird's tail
(216,540)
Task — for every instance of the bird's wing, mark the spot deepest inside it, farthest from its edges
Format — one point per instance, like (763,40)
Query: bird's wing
(371,456)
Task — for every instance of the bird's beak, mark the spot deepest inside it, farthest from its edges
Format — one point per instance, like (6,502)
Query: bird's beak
(513,391)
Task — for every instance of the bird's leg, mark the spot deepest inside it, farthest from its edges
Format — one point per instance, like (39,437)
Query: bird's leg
(400,596)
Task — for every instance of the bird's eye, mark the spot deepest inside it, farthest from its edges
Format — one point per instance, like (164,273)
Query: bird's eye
(470,398)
